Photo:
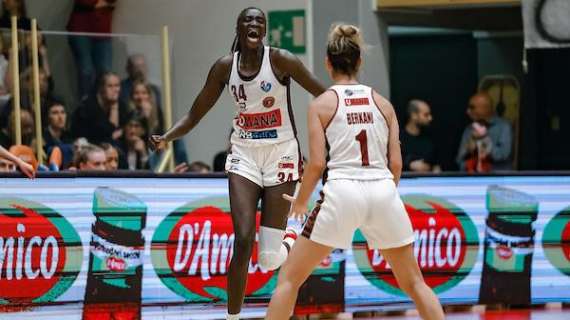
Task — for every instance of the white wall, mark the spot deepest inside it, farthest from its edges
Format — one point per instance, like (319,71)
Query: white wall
(202,31)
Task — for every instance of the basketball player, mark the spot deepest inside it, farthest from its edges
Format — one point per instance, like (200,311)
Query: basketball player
(264,161)
(26,168)
(358,129)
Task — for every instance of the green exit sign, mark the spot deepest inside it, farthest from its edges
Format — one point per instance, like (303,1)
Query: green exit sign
(287,30)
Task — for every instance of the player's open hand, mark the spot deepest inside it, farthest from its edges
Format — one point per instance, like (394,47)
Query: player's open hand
(157,142)
(297,210)
(27,169)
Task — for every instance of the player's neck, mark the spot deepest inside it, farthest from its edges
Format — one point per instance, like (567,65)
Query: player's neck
(249,57)
(343,79)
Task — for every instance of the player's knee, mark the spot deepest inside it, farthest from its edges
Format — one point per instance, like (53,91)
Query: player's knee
(269,260)
(243,241)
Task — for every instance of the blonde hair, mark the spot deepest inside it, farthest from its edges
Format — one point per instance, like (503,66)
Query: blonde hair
(343,48)
(153,120)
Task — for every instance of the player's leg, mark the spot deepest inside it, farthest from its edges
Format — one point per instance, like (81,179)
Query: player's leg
(274,243)
(407,272)
(304,257)
(388,228)
(244,196)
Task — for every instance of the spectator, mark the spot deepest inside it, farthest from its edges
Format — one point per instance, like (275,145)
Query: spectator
(15,8)
(93,54)
(137,70)
(56,134)
(199,167)
(418,150)
(7,138)
(26,154)
(499,132)
(478,158)
(6,165)
(26,95)
(8,162)
(101,116)
(143,101)
(133,145)
(112,157)
(90,157)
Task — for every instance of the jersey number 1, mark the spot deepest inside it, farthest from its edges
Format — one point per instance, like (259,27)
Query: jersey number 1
(362,138)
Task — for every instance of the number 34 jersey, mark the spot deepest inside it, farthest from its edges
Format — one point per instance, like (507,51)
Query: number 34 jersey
(357,136)
(263,114)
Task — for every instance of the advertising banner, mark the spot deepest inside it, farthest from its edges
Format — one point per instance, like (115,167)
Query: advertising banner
(126,248)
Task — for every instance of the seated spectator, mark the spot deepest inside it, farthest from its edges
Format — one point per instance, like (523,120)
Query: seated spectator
(7,138)
(489,125)
(90,157)
(8,162)
(418,150)
(93,54)
(15,8)
(26,154)
(101,116)
(112,156)
(143,101)
(137,70)
(199,167)
(27,97)
(7,165)
(55,132)
(133,145)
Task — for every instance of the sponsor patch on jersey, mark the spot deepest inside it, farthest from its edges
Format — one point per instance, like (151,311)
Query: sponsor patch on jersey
(265,86)
(257,135)
(286,165)
(357,101)
(259,121)
(287,158)
(268,102)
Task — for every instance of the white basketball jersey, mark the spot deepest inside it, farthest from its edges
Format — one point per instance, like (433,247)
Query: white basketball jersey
(357,136)
(263,114)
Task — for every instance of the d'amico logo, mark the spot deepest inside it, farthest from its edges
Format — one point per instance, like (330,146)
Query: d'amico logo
(446,246)
(192,248)
(40,253)
(556,241)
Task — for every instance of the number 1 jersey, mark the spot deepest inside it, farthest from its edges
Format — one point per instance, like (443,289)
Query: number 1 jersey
(357,136)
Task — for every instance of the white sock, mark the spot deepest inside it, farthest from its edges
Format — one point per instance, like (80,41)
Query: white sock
(232,316)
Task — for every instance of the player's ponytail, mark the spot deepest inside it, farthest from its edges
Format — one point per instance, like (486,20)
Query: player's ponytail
(343,48)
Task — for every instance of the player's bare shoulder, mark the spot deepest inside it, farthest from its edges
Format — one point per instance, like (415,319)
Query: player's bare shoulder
(221,69)
(383,104)
(325,106)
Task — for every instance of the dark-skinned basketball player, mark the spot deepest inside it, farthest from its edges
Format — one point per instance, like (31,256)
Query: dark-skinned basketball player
(265,160)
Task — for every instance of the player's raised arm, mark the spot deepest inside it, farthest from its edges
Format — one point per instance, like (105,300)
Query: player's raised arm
(288,63)
(210,93)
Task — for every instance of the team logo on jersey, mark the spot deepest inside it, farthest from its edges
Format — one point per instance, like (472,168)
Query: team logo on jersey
(265,86)
(356,102)
(348,92)
(259,121)
(268,102)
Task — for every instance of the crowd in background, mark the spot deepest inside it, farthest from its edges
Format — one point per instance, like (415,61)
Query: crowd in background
(109,129)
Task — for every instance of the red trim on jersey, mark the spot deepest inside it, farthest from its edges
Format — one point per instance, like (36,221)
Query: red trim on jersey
(379,109)
(286,80)
(290,110)
(310,224)
(335,111)
(252,77)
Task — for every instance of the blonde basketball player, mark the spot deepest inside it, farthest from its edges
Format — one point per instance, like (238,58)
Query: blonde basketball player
(358,129)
